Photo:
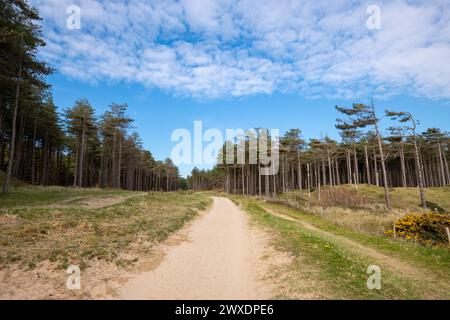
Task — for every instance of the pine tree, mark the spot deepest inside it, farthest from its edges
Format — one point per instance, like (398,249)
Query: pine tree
(361,116)
(19,66)
(406,117)
(81,124)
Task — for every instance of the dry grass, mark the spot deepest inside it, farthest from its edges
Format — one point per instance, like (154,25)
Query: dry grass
(360,220)
(363,209)
(77,235)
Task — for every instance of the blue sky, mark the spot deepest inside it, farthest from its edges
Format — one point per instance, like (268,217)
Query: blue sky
(245,64)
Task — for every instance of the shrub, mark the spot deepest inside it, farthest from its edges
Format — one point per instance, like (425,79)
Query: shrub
(435,207)
(427,228)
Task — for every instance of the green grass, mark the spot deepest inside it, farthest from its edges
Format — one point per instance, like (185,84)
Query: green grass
(29,235)
(341,271)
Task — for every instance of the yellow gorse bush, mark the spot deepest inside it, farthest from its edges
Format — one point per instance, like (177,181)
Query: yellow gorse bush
(427,228)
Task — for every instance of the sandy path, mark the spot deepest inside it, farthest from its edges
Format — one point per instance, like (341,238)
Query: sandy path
(219,260)
(93,202)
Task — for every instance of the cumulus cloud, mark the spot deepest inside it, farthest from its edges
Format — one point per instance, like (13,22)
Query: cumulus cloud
(218,48)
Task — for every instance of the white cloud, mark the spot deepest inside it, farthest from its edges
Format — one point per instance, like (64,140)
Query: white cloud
(217,48)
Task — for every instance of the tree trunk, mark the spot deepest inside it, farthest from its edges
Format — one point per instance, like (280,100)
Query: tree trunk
(299,173)
(420,175)
(402,164)
(259,180)
(441,163)
(349,168)
(113,160)
(14,120)
(367,166)
(80,174)
(329,168)
(309,183)
(33,154)
(446,168)
(338,179)
(355,161)
(119,162)
(383,165)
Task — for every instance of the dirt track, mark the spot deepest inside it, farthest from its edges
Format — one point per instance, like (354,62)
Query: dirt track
(220,259)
